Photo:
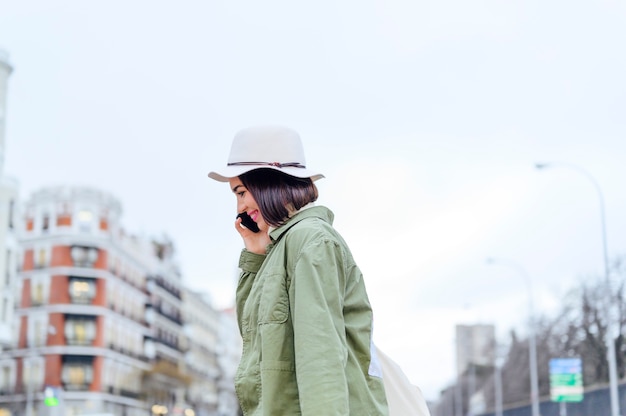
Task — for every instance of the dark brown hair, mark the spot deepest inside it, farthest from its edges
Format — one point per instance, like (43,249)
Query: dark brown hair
(277,193)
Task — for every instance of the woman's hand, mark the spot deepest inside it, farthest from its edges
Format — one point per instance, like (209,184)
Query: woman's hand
(254,242)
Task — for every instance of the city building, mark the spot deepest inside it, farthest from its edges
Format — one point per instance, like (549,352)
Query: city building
(82,311)
(101,318)
(5,72)
(94,320)
(475,346)
(475,361)
(202,324)
(8,242)
(229,353)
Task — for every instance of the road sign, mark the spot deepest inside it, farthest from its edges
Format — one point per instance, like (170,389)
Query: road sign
(566,380)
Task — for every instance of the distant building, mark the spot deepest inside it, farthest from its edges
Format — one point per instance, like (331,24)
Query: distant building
(229,354)
(475,360)
(202,325)
(82,311)
(9,252)
(475,357)
(5,72)
(8,240)
(98,318)
(475,345)
(101,317)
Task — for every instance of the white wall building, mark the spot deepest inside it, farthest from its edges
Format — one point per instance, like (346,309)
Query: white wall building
(475,345)
(229,354)
(104,317)
(81,314)
(99,314)
(5,72)
(202,325)
(9,249)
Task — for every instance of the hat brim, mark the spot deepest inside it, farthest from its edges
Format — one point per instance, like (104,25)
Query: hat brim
(227,173)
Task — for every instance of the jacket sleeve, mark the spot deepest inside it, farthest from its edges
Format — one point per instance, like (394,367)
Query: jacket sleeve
(316,301)
(249,264)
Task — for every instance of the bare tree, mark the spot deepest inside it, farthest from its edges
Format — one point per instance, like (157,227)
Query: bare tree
(578,330)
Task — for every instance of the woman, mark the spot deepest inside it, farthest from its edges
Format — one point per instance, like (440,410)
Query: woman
(302,307)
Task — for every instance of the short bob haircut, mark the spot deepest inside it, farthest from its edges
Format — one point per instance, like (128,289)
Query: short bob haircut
(277,193)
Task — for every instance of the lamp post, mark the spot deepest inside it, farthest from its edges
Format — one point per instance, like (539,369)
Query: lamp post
(498,380)
(610,345)
(498,388)
(532,344)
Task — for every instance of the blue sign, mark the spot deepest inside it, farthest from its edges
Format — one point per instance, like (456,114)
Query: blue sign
(566,380)
(566,365)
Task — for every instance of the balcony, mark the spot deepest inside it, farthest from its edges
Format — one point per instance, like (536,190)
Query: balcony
(80,330)
(77,372)
(82,290)
(84,256)
(168,287)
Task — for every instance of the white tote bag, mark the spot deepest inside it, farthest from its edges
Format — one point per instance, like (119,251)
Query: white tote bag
(403,398)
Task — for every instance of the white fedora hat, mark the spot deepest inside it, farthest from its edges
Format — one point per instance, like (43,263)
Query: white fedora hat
(266,147)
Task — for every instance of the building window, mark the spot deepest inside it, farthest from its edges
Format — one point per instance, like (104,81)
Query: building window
(6,379)
(85,220)
(108,373)
(84,256)
(37,330)
(38,294)
(5,310)
(108,333)
(82,290)
(39,333)
(39,285)
(33,372)
(8,271)
(77,376)
(45,224)
(41,257)
(11,213)
(80,331)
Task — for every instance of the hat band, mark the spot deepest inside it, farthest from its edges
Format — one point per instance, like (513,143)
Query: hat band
(275,164)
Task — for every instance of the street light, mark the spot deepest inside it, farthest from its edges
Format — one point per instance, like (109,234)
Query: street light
(498,387)
(610,345)
(532,344)
(498,379)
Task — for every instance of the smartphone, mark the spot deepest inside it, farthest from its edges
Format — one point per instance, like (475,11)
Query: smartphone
(248,222)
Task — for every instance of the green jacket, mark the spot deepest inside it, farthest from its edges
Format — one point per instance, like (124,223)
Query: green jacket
(306,324)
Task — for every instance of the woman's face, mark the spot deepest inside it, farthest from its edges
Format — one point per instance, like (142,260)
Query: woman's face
(246,203)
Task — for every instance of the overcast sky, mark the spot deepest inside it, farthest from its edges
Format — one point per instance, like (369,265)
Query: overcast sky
(425,117)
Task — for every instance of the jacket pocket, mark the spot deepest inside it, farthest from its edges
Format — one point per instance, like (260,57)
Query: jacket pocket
(274,302)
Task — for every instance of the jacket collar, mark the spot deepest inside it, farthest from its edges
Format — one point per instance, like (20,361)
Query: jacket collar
(320,212)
